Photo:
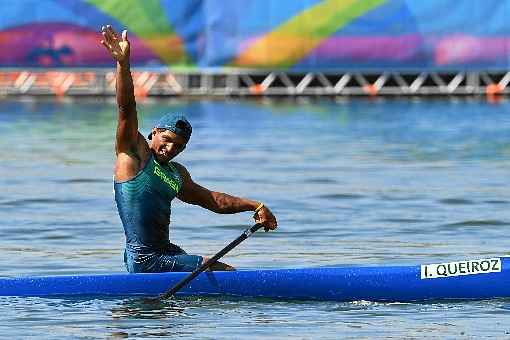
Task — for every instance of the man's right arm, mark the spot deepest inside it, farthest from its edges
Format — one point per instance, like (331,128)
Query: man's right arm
(130,146)
(127,127)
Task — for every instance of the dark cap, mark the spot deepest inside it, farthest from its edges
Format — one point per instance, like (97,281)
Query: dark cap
(177,123)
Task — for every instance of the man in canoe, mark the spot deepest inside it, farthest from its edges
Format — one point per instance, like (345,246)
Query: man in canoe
(146,179)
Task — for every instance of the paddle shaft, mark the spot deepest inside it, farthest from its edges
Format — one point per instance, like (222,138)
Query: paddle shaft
(247,233)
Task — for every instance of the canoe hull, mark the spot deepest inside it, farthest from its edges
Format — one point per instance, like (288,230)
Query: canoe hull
(384,283)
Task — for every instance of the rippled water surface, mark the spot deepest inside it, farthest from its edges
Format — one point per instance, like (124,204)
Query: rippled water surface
(351,182)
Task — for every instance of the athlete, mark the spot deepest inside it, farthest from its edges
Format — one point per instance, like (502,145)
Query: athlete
(146,180)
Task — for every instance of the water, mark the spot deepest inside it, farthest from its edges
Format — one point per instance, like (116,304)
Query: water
(351,182)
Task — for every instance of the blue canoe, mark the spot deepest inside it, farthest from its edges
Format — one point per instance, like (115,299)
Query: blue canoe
(470,279)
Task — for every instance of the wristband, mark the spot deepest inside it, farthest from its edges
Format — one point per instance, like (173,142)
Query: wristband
(261,205)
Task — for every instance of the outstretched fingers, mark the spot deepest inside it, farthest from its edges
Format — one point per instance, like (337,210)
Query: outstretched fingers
(106,42)
(111,33)
(108,46)
(118,46)
(108,34)
(110,40)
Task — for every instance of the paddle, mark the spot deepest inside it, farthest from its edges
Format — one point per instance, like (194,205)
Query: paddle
(247,233)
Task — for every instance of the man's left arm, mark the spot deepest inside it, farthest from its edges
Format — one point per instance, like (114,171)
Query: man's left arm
(222,203)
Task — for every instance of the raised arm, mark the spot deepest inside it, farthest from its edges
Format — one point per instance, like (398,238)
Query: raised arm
(127,127)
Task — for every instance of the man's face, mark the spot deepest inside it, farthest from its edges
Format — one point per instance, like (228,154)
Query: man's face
(166,145)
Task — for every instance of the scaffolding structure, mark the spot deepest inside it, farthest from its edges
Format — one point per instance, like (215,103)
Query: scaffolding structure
(101,82)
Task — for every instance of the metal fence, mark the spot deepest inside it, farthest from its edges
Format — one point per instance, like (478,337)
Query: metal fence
(101,82)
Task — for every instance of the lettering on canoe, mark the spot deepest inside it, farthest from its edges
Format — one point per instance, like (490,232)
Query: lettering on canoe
(469,267)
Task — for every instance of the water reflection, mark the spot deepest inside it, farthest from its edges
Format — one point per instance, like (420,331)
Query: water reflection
(140,308)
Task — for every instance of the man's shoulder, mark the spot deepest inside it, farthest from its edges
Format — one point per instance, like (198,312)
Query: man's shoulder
(182,171)
(130,161)
(181,168)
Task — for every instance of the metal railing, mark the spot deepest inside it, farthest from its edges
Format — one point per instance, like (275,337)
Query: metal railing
(255,83)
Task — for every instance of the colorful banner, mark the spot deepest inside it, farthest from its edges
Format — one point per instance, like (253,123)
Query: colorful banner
(290,35)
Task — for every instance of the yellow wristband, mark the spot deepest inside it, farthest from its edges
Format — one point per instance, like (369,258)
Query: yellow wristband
(261,205)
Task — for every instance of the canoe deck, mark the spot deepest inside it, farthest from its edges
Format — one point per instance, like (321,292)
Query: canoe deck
(471,279)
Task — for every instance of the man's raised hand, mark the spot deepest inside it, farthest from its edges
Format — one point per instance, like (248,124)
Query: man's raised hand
(118,48)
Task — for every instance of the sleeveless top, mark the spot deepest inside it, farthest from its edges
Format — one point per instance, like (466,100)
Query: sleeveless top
(144,205)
